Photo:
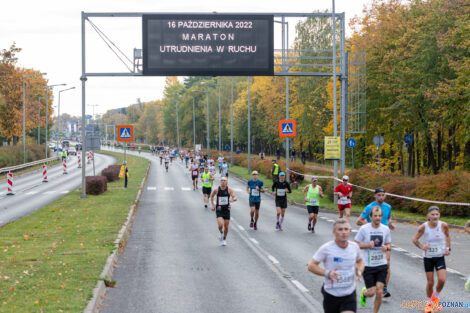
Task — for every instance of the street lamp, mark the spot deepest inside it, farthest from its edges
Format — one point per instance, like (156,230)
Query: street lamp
(58,115)
(177,125)
(24,100)
(39,119)
(220,133)
(47,106)
(194,125)
(207,117)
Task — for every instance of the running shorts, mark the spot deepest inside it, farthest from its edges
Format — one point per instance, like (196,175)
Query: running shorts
(332,304)
(281,202)
(312,209)
(438,263)
(341,207)
(374,274)
(255,204)
(225,214)
(206,190)
(194,177)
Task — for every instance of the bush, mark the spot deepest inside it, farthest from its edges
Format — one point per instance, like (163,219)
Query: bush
(13,155)
(96,185)
(111,172)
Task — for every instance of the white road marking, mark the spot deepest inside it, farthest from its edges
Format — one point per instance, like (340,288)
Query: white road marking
(185,188)
(354,230)
(169,188)
(241,227)
(329,220)
(254,240)
(237,189)
(299,285)
(49,192)
(65,191)
(273,259)
(151,188)
(32,193)
(323,218)
(399,249)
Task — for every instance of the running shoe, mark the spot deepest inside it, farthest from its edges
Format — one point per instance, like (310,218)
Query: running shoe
(221,237)
(280,226)
(386,293)
(277,225)
(224,242)
(313,230)
(255,227)
(205,205)
(435,302)
(309,226)
(362,298)
(428,308)
(251,224)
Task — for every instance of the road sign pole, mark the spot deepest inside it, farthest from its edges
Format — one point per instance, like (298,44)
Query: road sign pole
(249,129)
(378,155)
(287,138)
(352,162)
(335,119)
(83,79)
(231,130)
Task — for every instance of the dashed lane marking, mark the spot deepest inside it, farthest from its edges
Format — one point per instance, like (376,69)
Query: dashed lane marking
(64,192)
(32,193)
(299,285)
(151,188)
(185,188)
(50,192)
(273,259)
(168,188)
(241,227)
(254,240)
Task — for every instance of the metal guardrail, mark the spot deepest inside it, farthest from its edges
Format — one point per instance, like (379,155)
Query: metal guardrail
(25,165)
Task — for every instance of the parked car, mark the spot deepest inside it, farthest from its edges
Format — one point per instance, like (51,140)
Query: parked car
(71,151)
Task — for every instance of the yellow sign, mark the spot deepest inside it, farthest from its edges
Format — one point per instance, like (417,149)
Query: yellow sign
(332,148)
(121,172)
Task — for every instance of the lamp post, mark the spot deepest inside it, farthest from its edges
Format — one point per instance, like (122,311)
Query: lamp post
(47,106)
(24,100)
(220,132)
(194,126)
(58,115)
(39,119)
(177,125)
(207,118)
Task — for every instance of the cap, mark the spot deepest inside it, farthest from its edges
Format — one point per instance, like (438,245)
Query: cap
(282,174)
(345,177)
(432,208)
(314,178)
(273,160)
(223,178)
(254,173)
(379,189)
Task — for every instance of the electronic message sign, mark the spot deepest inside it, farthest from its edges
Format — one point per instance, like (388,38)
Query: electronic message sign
(208,45)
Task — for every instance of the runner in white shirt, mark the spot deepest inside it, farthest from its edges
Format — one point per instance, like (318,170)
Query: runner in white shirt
(343,264)
(220,159)
(436,246)
(224,168)
(375,240)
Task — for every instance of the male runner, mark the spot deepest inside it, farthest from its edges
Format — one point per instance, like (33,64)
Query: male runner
(364,218)
(194,170)
(224,195)
(167,162)
(186,159)
(343,264)
(312,194)
(436,246)
(280,188)
(220,159)
(375,240)
(344,192)
(207,180)
(254,187)
(212,167)
(224,168)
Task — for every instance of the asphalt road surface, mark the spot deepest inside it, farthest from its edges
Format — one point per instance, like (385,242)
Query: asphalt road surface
(174,262)
(31,193)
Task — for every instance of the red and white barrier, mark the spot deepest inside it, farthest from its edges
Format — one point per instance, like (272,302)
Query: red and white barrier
(44,173)
(64,165)
(79,161)
(10,184)
(88,158)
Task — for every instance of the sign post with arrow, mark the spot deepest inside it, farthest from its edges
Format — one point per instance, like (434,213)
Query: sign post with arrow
(379,142)
(351,144)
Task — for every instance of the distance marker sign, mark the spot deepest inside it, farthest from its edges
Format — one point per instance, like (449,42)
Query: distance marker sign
(125,132)
(208,44)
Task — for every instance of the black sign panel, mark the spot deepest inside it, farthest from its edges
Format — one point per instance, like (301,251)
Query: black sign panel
(208,45)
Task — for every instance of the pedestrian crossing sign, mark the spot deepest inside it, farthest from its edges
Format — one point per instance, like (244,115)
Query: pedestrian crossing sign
(125,132)
(287,128)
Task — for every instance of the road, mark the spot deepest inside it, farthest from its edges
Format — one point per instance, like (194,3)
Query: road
(174,262)
(32,194)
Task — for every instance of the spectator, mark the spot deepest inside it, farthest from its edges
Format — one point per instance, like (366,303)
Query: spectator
(293,155)
(278,153)
(303,156)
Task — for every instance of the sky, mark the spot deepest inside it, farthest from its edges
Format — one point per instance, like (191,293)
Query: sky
(49,32)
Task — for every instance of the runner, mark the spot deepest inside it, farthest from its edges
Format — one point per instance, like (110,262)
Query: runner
(375,239)
(161,157)
(275,171)
(194,170)
(280,188)
(364,218)
(186,159)
(225,169)
(224,195)
(344,192)
(312,194)
(343,262)
(254,187)
(220,159)
(212,167)
(436,246)
(467,227)
(206,180)
(167,162)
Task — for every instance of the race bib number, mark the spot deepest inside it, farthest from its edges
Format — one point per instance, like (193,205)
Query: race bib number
(345,280)
(434,250)
(344,200)
(223,200)
(206,181)
(376,257)
(313,202)
(281,192)
(194,173)
(255,192)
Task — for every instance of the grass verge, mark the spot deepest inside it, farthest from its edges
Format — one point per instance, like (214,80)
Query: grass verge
(51,260)
(326,203)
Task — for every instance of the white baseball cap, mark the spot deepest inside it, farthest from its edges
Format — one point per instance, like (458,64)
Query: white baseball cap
(345,177)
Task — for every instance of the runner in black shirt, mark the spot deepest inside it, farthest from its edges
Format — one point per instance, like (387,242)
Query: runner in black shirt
(280,189)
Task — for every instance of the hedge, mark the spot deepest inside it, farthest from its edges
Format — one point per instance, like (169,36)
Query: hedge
(96,185)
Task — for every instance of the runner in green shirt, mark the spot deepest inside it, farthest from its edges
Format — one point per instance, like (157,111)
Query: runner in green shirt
(312,194)
(206,179)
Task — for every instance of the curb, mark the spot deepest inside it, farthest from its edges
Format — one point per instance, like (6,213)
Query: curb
(100,288)
(400,220)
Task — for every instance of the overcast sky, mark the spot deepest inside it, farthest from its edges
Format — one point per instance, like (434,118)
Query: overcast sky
(48,31)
